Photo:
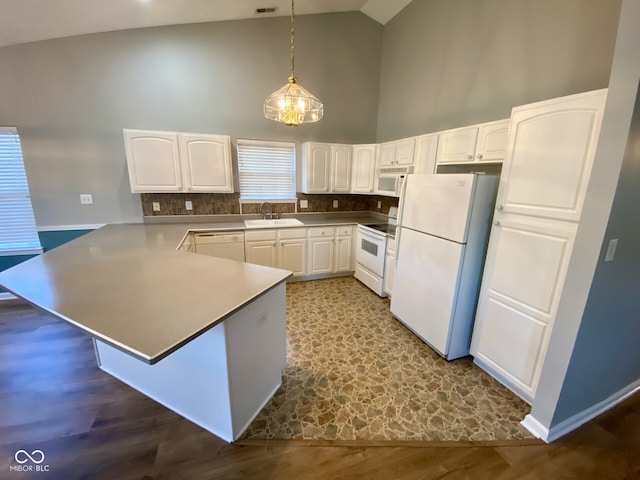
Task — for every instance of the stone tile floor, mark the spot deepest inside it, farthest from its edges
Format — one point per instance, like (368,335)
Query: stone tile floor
(356,373)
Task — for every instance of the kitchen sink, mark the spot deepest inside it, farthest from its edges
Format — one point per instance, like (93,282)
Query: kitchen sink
(275,222)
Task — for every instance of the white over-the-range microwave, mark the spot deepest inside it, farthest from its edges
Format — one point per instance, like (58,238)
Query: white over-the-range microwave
(389,180)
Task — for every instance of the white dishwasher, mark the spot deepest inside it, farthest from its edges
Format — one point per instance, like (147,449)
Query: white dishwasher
(220,244)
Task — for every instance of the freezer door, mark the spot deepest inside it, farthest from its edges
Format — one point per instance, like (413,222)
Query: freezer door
(438,204)
(425,286)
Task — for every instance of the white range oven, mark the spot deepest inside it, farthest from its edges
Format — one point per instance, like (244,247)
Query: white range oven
(371,249)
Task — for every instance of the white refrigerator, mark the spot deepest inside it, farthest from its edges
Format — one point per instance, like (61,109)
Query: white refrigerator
(441,240)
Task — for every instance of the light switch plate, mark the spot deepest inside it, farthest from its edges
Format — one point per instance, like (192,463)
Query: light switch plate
(188,205)
(304,203)
(611,250)
(379,204)
(335,204)
(86,199)
(156,206)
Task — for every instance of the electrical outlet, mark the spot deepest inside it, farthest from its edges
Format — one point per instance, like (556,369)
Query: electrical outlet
(156,206)
(188,205)
(335,204)
(304,203)
(379,204)
(86,199)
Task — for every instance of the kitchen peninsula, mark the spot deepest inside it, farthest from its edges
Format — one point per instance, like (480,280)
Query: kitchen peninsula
(204,336)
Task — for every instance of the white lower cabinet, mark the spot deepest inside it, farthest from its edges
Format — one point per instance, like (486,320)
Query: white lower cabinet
(524,274)
(330,250)
(344,258)
(260,247)
(292,250)
(303,251)
(321,247)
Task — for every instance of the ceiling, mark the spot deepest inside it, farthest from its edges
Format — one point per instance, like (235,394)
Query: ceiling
(32,20)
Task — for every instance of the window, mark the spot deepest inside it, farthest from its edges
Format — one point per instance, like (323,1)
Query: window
(267,170)
(18,235)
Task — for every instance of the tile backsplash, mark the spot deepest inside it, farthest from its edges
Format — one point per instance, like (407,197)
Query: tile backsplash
(229,203)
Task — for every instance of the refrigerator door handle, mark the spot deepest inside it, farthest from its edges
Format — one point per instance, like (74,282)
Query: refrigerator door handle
(397,248)
(403,188)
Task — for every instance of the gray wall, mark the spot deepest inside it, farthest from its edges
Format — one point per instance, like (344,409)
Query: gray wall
(450,63)
(70,98)
(607,347)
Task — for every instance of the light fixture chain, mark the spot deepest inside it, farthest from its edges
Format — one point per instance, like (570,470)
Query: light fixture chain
(293,34)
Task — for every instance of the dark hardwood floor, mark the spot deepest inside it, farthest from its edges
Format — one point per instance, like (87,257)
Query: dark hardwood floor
(88,425)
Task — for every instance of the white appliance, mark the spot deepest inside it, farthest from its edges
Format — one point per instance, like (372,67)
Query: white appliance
(440,248)
(371,250)
(390,180)
(220,244)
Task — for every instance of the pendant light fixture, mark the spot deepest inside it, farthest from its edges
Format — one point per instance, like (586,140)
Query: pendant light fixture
(292,104)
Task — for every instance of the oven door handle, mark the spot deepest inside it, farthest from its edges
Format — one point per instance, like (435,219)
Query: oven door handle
(373,236)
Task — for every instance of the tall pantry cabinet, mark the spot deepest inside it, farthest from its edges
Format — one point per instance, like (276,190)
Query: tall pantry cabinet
(550,151)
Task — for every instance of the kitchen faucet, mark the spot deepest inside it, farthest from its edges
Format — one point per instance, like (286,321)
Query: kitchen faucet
(269,211)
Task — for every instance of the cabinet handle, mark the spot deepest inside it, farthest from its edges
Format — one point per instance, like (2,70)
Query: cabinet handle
(479,156)
(469,157)
(497,223)
(500,207)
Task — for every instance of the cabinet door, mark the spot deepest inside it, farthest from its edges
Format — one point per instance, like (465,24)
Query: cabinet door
(344,254)
(457,146)
(316,168)
(153,161)
(492,141)
(549,156)
(404,151)
(526,264)
(364,169)
(292,256)
(387,153)
(261,253)
(425,153)
(341,168)
(206,162)
(321,255)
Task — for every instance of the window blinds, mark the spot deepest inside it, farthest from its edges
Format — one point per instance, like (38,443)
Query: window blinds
(267,170)
(18,234)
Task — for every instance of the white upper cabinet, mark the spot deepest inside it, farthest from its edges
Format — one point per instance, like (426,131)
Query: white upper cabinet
(387,154)
(341,168)
(550,152)
(398,152)
(153,160)
(425,153)
(404,151)
(178,162)
(475,144)
(364,169)
(492,141)
(457,146)
(316,167)
(206,162)
(326,168)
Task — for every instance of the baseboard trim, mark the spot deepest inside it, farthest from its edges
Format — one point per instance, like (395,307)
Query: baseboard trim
(7,296)
(552,434)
